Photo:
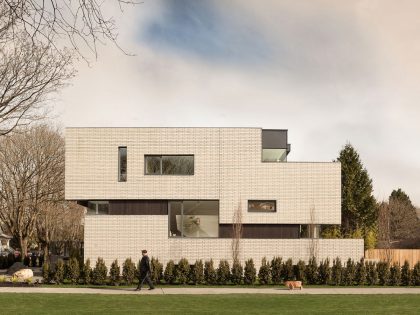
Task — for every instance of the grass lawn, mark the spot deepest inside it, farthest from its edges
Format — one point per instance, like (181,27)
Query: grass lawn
(13,303)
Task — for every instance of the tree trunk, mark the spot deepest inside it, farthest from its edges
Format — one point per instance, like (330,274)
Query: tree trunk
(46,252)
(23,248)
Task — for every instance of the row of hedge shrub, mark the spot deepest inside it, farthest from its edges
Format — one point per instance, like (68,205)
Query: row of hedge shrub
(271,272)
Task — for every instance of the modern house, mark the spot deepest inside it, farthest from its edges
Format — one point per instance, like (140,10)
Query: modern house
(178,192)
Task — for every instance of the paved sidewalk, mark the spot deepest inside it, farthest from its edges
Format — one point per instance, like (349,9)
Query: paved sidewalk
(162,291)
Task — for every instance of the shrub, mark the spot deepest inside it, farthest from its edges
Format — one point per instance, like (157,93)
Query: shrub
(182,271)
(128,271)
(250,273)
(311,271)
(324,272)
(99,272)
(237,272)
(416,274)
(223,272)
(349,272)
(264,272)
(372,273)
(73,270)
(197,272)
(361,272)
(157,269)
(59,271)
(210,276)
(46,273)
(406,274)
(288,272)
(86,273)
(337,272)
(169,274)
(383,272)
(299,271)
(114,273)
(395,275)
(276,270)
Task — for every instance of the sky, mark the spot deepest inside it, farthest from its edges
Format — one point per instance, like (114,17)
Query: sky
(331,72)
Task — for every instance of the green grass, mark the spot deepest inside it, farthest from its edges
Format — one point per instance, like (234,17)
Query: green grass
(13,303)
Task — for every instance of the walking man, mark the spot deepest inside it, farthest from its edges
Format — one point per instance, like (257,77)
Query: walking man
(145,271)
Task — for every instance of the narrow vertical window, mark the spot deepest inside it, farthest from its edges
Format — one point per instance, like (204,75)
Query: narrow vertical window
(122,164)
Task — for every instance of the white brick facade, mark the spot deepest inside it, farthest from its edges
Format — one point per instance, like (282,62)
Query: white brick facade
(227,167)
(120,237)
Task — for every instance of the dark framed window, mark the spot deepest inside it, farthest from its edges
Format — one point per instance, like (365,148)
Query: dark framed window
(262,206)
(122,164)
(193,218)
(98,208)
(169,164)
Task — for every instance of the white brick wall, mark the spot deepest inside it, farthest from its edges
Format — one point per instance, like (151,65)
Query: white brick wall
(120,237)
(228,167)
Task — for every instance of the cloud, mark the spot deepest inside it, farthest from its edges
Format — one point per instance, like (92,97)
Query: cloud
(329,71)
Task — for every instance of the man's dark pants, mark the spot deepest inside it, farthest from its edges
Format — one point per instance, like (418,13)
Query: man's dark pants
(144,277)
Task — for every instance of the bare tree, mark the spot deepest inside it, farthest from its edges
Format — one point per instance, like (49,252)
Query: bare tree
(31,175)
(75,22)
(384,229)
(59,222)
(28,75)
(313,234)
(237,232)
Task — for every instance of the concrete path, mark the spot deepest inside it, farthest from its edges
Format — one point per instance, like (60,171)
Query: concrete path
(162,291)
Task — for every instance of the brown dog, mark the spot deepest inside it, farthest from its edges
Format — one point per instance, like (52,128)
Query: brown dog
(293,285)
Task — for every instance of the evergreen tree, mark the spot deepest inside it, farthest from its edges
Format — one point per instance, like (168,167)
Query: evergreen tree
(128,271)
(237,272)
(406,274)
(114,273)
(156,270)
(210,275)
(372,273)
(169,274)
(311,271)
(349,272)
(59,271)
(300,271)
(250,273)
(46,272)
(383,272)
(99,272)
(182,271)
(324,272)
(288,270)
(223,272)
(361,273)
(73,270)
(86,274)
(197,272)
(276,270)
(395,275)
(264,272)
(416,274)
(336,272)
(358,206)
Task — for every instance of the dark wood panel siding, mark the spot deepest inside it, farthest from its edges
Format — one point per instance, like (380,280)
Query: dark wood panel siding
(138,207)
(266,231)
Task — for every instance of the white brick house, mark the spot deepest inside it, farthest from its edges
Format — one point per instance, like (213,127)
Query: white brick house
(174,192)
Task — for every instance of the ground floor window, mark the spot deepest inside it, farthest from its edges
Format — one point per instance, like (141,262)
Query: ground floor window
(98,207)
(194,218)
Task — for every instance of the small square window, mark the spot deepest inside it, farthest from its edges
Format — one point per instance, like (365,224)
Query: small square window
(262,206)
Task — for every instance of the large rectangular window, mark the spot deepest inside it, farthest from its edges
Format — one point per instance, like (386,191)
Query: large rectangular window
(169,164)
(261,205)
(194,218)
(122,164)
(274,155)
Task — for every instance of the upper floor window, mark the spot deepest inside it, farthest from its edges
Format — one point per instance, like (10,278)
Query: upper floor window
(274,155)
(261,205)
(98,207)
(122,164)
(169,164)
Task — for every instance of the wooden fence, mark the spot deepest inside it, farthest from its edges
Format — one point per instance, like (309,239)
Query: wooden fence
(394,255)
